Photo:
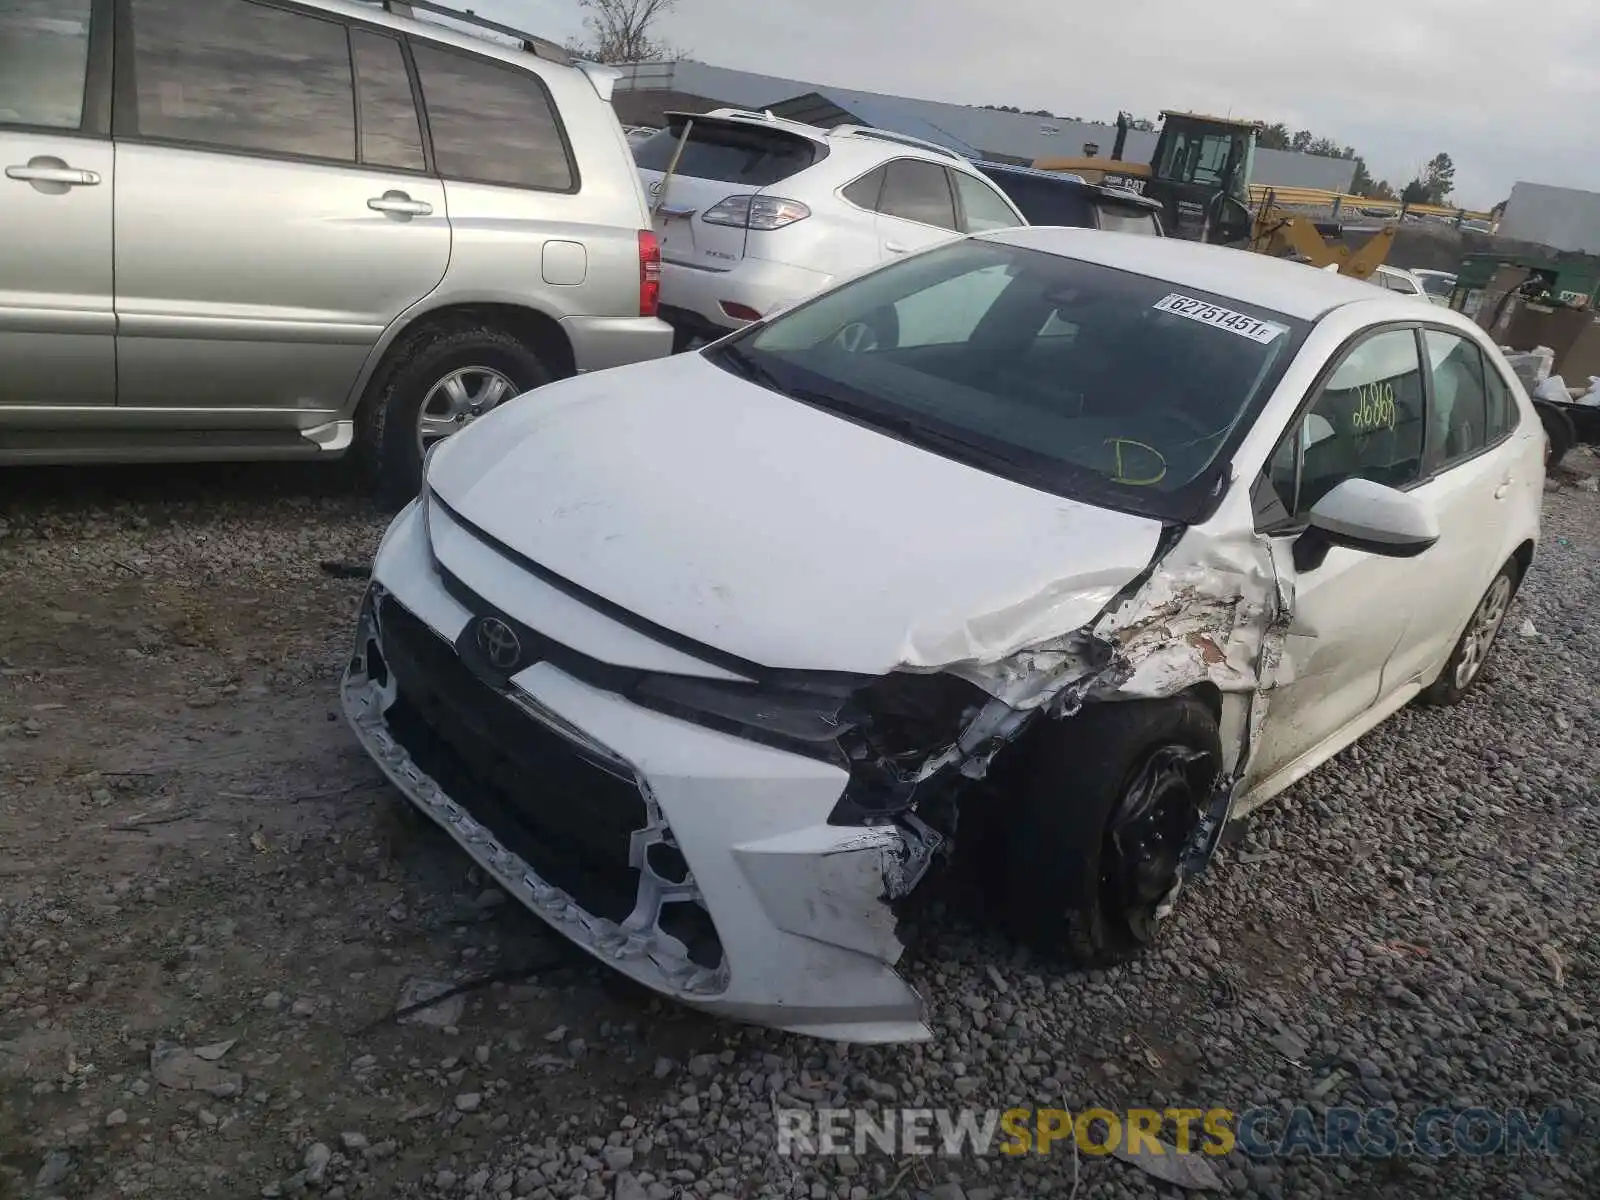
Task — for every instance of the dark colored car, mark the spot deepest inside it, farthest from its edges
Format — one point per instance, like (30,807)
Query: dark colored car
(1054,198)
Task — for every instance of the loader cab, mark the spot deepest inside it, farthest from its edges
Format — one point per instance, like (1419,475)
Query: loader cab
(1201,175)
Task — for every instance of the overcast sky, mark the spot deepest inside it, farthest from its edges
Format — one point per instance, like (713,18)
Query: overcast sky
(1510,91)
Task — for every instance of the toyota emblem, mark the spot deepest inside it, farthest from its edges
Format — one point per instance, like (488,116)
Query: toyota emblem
(499,643)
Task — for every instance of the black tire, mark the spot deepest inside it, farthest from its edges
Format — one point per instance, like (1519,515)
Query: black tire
(1065,881)
(1558,427)
(387,445)
(1448,688)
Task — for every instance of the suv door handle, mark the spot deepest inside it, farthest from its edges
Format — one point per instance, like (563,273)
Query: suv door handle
(1504,489)
(399,204)
(63,175)
(894,247)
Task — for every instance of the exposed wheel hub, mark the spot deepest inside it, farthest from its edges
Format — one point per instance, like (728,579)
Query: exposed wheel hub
(1151,830)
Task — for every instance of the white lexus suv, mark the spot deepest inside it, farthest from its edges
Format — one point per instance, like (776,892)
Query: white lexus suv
(755,213)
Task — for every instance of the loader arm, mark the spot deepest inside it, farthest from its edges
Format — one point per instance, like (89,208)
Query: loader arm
(1286,235)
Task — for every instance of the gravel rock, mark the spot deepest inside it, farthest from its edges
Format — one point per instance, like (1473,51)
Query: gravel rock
(1410,925)
(53,1171)
(316,1161)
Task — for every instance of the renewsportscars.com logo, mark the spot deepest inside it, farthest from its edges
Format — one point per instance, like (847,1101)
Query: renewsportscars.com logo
(1256,1132)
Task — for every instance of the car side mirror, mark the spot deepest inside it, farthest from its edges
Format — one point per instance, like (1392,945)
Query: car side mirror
(1374,518)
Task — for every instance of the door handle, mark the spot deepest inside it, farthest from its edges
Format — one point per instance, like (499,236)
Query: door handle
(894,247)
(400,205)
(69,176)
(1504,490)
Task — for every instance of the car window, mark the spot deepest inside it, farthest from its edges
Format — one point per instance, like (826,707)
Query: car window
(491,123)
(981,206)
(1123,218)
(728,152)
(1047,201)
(1502,412)
(1365,423)
(243,76)
(948,312)
(1069,376)
(864,192)
(1458,419)
(918,191)
(1438,285)
(390,133)
(44,62)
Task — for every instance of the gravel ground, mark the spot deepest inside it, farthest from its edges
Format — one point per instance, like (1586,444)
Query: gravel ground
(210,902)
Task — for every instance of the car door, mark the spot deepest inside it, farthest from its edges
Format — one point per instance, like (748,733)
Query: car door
(262,247)
(1352,609)
(1472,474)
(916,208)
(57,322)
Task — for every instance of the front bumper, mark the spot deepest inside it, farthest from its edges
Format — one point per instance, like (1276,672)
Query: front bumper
(696,863)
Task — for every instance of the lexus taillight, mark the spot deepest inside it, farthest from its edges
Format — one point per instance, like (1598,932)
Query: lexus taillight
(649,273)
(755,212)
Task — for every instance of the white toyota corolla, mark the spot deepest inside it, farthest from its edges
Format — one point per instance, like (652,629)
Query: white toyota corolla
(1073,544)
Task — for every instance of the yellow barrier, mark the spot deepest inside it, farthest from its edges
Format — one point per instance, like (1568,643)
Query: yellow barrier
(1294,197)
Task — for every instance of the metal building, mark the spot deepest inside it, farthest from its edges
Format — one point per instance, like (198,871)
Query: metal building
(1562,218)
(646,90)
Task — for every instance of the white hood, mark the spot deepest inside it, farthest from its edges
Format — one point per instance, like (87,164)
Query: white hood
(777,532)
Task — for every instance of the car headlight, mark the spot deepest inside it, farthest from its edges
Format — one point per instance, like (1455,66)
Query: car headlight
(884,729)
(808,712)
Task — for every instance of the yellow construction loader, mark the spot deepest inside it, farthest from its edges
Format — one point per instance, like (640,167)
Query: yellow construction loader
(1200,174)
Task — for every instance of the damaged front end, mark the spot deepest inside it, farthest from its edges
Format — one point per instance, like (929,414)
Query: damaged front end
(748,844)
(1207,618)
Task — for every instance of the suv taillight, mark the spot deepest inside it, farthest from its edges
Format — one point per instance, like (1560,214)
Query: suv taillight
(649,273)
(755,212)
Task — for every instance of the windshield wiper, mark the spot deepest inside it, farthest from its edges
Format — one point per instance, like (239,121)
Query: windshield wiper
(747,366)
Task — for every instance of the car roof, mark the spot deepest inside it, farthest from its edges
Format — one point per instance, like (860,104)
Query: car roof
(1285,286)
(1062,179)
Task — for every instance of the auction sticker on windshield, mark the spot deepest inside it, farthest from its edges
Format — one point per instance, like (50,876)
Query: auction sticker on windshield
(1221,318)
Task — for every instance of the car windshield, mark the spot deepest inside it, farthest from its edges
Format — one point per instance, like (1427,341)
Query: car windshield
(1068,376)
(1438,285)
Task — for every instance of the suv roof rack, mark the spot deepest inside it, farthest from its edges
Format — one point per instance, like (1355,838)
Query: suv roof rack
(904,139)
(543,47)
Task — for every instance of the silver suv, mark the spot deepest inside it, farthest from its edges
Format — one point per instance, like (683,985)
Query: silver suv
(251,229)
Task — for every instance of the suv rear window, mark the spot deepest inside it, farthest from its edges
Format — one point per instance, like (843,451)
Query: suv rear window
(729,152)
(1046,202)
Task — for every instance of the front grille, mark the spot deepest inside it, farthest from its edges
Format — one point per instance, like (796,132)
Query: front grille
(568,816)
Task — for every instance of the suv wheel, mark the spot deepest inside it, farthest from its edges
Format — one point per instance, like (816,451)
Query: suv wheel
(440,381)
(1110,803)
